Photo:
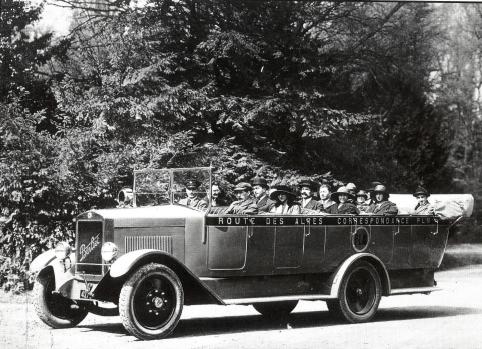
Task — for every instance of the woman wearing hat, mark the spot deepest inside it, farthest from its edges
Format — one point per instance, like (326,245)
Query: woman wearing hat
(361,201)
(423,206)
(382,206)
(245,204)
(284,201)
(341,197)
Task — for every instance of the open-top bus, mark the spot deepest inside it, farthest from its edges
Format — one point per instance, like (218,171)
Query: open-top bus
(148,261)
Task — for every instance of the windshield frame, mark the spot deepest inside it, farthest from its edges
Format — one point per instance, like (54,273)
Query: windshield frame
(171,171)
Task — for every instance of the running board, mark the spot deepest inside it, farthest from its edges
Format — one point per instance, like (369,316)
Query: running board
(278,299)
(398,291)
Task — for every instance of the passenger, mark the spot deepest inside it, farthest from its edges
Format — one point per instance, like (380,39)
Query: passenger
(423,206)
(245,204)
(217,196)
(371,195)
(361,201)
(307,189)
(327,205)
(382,206)
(344,206)
(351,187)
(260,190)
(284,201)
(193,198)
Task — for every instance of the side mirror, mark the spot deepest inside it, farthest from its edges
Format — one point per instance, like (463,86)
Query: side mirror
(125,197)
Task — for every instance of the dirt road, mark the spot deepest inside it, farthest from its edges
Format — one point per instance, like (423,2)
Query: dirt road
(451,318)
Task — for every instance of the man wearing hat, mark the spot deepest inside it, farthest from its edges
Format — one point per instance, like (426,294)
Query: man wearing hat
(193,199)
(260,190)
(351,187)
(361,201)
(423,206)
(245,204)
(341,197)
(284,200)
(382,206)
(307,189)
(371,195)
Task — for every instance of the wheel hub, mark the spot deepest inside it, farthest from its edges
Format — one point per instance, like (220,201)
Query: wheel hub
(158,302)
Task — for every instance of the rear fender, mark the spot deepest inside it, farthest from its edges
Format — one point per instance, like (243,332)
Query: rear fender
(196,292)
(343,268)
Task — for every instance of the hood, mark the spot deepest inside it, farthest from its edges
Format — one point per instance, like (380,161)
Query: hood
(166,215)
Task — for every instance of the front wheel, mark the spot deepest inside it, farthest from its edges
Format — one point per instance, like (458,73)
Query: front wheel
(360,294)
(54,309)
(151,302)
(275,309)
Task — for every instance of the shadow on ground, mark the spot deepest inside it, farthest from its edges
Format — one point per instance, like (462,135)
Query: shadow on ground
(253,323)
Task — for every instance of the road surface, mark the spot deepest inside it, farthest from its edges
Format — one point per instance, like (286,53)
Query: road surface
(451,318)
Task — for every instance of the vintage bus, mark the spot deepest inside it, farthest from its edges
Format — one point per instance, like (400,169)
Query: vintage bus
(148,261)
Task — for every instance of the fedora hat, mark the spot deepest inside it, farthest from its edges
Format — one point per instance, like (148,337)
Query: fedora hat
(260,181)
(192,184)
(243,186)
(282,189)
(373,185)
(351,187)
(341,191)
(421,191)
(308,183)
(362,193)
(383,190)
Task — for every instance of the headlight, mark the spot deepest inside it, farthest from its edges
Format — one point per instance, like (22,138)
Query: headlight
(109,251)
(62,250)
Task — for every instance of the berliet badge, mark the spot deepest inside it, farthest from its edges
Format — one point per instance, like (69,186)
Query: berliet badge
(85,250)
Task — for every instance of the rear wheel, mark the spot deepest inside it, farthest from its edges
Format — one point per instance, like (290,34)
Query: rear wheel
(151,302)
(360,294)
(54,309)
(275,309)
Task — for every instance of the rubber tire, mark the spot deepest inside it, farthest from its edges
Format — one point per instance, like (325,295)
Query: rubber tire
(55,318)
(126,298)
(339,308)
(275,309)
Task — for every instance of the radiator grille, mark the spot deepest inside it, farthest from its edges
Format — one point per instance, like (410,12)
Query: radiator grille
(163,243)
(89,244)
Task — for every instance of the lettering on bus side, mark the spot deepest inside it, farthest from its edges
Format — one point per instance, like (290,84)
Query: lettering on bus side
(317,220)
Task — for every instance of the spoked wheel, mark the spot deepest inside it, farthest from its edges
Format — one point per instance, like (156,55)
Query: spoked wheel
(54,309)
(151,301)
(360,294)
(275,309)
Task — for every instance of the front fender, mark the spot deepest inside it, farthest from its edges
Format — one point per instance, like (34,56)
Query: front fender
(42,260)
(47,263)
(125,263)
(377,263)
(196,292)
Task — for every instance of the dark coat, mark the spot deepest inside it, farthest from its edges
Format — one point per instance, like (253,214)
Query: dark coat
(331,209)
(312,205)
(218,202)
(265,204)
(247,206)
(383,208)
(347,208)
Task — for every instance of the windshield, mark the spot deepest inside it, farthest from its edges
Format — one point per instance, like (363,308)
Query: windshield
(151,187)
(189,187)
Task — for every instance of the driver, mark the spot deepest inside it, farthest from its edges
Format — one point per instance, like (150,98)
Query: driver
(193,198)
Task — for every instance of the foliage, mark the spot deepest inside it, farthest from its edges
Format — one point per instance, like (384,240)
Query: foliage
(337,91)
